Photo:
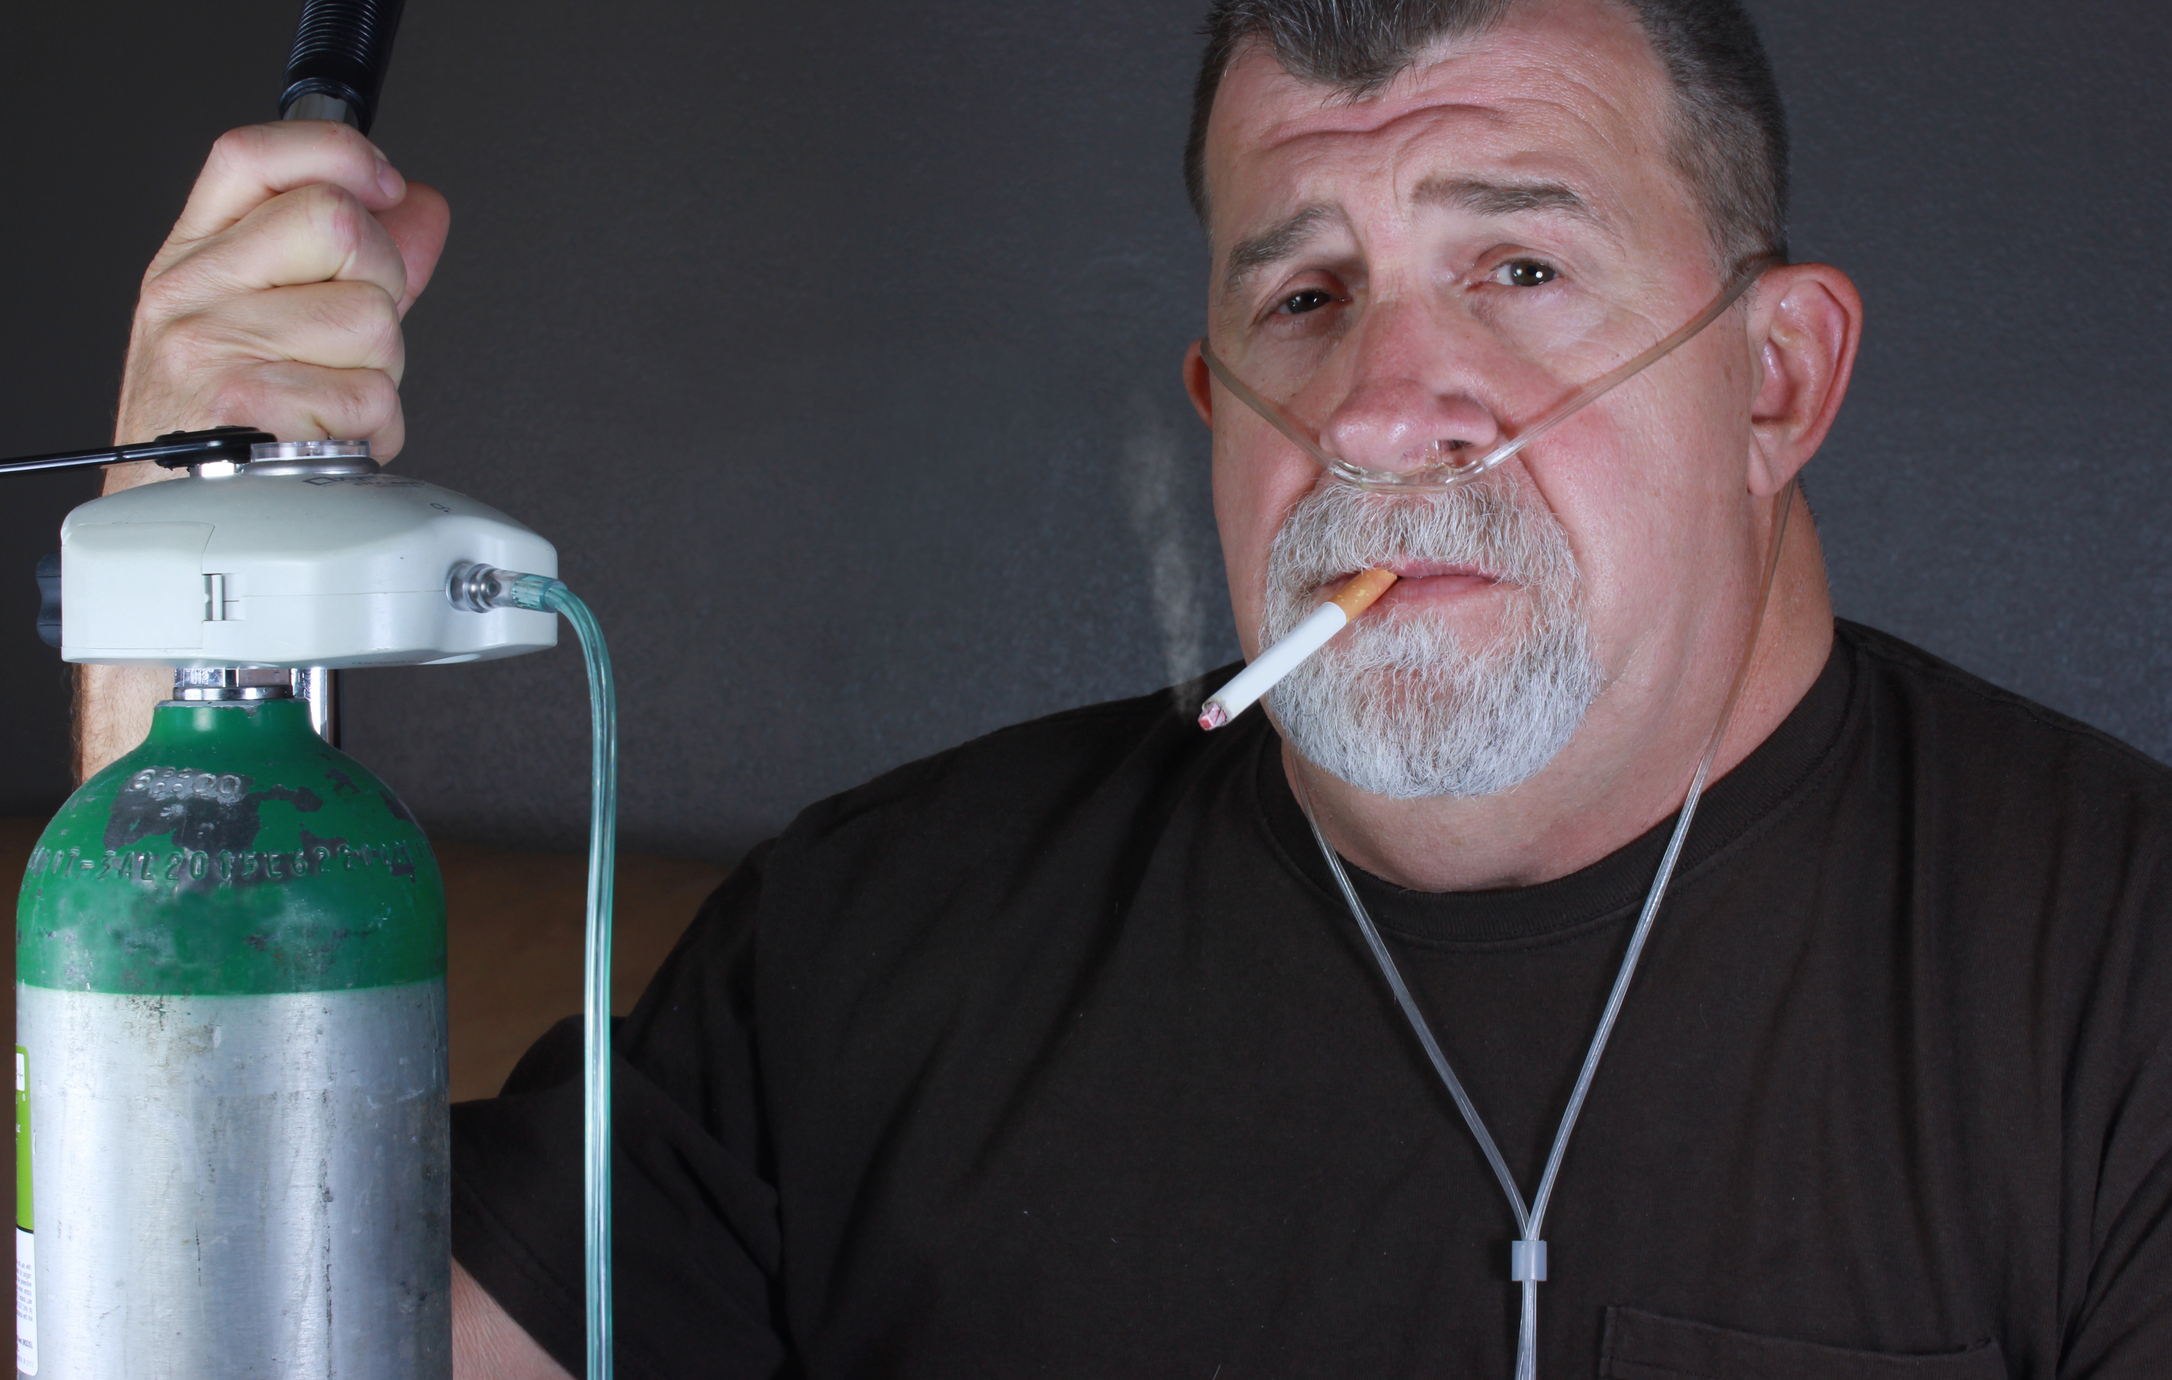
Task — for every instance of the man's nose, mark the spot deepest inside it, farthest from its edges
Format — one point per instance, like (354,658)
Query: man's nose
(1410,404)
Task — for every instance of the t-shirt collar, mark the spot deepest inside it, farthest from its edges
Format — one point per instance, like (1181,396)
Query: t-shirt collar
(1764,781)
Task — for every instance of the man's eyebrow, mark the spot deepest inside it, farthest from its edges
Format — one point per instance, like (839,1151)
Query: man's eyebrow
(1486,198)
(1275,243)
(1478,196)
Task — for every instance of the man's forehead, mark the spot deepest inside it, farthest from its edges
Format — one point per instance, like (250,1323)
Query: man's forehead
(1567,94)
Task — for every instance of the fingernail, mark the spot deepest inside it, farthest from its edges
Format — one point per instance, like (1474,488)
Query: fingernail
(389,181)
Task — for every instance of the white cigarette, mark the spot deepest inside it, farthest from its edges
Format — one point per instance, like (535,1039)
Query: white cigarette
(1297,644)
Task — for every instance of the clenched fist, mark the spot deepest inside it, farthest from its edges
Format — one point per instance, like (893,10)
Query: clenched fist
(277,299)
(276,302)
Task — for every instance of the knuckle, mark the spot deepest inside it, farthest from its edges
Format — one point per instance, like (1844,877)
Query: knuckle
(160,299)
(335,151)
(238,148)
(358,310)
(331,210)
(348,222)
(362,403)
(309,224)
(381,336)
(377,396)
(240,396)
(194,344)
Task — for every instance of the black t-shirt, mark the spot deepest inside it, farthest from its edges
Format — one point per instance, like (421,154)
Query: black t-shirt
(1057,1054)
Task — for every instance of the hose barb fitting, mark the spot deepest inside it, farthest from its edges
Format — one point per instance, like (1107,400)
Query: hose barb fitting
(480,588)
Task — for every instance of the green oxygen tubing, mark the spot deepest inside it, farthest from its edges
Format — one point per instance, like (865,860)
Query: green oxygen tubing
(481,588)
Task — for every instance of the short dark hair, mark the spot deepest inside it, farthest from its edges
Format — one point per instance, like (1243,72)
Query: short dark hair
(1731,137)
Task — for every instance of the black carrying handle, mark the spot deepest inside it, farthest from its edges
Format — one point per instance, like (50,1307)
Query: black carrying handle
(341,50)
(175,450)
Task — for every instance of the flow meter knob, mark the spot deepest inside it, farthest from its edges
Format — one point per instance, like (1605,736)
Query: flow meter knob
(49,598)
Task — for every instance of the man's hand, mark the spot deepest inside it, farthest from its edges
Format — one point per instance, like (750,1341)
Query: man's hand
(276,302)
(278,297)
(488,1344)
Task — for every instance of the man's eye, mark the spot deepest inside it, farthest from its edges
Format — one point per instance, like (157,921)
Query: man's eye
(1311,299)
(1526,273)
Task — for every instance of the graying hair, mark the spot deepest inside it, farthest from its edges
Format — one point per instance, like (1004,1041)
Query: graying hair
(1731,131)
(1399,706)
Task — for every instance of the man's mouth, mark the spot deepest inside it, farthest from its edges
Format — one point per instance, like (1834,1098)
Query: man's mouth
(1424,582)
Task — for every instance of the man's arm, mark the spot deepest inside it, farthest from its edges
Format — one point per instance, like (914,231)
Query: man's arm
(275,302)
(487,1343)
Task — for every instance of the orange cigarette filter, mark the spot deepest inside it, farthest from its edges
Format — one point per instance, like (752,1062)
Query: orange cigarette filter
(1300,642)
(1358,595)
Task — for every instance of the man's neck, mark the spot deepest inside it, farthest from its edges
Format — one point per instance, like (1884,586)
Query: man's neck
(1626,770)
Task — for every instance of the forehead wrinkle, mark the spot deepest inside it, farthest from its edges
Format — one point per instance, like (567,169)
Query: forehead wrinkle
(1277,242)
(1493,198)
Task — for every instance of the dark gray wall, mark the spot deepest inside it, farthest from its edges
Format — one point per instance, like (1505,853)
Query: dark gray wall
(835,345)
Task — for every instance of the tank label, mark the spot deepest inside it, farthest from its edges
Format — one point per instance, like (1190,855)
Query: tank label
(26,1302)
(26,1245)
(234,853)
(207,868)
(23,1219)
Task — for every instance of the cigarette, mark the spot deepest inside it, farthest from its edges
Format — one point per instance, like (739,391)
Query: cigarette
(1300,642)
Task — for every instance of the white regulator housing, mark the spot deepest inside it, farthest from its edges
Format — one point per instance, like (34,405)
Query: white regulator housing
(291,562)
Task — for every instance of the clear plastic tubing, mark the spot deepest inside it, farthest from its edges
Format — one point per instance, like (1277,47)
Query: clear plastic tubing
(1527,1255)
(477,587)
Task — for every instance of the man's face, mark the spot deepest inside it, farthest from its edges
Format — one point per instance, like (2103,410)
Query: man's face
(1379,241)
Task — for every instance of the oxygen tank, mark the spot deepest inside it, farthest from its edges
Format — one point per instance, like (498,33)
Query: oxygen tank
(231,1116)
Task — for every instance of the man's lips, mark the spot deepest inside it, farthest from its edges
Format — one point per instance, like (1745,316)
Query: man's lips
(1419,582)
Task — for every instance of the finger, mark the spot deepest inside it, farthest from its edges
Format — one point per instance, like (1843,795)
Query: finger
(304,402)
(309,235)
(248,166)
(340,325)
(417,226)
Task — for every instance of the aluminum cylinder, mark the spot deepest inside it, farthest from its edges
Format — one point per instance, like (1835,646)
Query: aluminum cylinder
(239,1186)
(231,1113)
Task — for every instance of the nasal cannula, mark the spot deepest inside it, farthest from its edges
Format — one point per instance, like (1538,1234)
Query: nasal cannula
(1527,1254)
(1318,628)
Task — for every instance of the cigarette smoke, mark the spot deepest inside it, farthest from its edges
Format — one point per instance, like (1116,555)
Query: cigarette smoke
(1397,705)
(1153,471)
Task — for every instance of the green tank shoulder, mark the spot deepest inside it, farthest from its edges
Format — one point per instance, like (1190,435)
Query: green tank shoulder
(233,852)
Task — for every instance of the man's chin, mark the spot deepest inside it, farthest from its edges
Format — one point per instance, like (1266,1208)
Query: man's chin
(1412,716)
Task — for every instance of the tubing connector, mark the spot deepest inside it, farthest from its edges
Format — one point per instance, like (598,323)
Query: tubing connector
(1526,1260)
(480,588)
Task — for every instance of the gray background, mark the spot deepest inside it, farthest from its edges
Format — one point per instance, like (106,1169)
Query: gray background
(835,345)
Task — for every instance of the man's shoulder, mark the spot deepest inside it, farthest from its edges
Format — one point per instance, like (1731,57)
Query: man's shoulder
(2031,801)
(1001,781)
(1958,715)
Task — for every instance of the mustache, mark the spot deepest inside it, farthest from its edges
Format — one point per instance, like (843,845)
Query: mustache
(1338,529)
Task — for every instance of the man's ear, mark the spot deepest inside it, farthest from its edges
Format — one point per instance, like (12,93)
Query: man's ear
(1805,324)
(1197,383)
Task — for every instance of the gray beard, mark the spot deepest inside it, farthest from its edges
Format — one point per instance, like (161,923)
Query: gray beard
(1396,705)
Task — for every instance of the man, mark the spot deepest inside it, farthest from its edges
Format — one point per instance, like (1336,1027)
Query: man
(1061,1052)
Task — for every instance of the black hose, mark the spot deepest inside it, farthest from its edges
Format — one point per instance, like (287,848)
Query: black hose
(341,50)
